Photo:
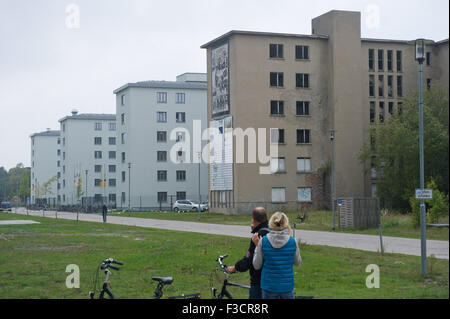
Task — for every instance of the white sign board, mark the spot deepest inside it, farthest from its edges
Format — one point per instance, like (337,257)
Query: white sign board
(221,155)
(424,193)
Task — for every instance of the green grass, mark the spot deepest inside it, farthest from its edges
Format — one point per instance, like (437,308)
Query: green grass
(33,259)
(393,224)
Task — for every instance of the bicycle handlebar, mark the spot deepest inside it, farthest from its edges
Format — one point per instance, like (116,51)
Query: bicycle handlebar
(107,264)
(222,265)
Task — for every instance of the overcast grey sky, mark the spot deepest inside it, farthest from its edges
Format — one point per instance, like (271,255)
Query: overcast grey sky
(48,67)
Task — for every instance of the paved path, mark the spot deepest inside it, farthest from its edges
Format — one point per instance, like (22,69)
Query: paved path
(408,246)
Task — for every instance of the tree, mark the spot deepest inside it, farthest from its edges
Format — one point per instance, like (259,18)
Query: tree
(24,185)
(394,149)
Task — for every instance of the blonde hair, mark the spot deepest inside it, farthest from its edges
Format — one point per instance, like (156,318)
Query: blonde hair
(279,221)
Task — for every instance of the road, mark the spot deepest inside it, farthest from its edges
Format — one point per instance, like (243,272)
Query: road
(408,246)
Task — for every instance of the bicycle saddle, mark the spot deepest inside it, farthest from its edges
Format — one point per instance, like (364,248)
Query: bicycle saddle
(163,280)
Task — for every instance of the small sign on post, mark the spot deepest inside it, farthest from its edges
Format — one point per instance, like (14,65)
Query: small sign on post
(424,193)
(339,201)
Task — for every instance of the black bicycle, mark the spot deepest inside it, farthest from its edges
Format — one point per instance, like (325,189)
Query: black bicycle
(224,292)
(106,293)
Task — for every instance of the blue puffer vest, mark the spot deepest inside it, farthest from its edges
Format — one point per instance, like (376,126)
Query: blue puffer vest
(277,271)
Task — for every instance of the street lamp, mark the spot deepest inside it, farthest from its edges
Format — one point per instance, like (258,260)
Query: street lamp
(332,176)
(86,195)
(199,196)
(129,188)
(420,57)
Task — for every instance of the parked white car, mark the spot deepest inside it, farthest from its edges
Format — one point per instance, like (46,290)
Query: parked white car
(187,206)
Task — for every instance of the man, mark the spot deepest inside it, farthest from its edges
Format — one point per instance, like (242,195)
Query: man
(104,211)
(259,228)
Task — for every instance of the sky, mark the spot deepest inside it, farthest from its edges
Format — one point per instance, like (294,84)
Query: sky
(58,55)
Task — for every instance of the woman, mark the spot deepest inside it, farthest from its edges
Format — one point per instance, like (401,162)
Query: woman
(276,253)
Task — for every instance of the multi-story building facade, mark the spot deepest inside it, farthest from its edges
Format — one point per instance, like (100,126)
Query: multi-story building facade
(88,159)
(45,148)
(153,118)
(302,89)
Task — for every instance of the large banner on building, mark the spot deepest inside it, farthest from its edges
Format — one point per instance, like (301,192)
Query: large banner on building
(220,81)
(221,159)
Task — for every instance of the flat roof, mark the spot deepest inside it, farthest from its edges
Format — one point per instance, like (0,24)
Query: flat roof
(46,133)
(258,33)
(164,85)
(90,116)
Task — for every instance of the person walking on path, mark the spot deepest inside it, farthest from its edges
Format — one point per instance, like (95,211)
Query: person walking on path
(259,228)
(276,254)
(104,211)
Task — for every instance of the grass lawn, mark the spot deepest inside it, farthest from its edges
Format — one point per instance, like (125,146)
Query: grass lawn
(33,259)
(397,225)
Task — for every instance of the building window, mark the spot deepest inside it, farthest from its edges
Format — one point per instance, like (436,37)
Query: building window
(428,84)
(302,108)
(181,176)
(381,112)
(180,136)
(64,155)
(304,194)
(380,60)
(372,85)
(97,182)
(112,126)
(180,156)
(64,169)
(180,117)
(112,198)
(161,117)
(162,197)
(162,176)
(59,141)
(276,79)
(303,164)
(98,126)
(380,85)
(58,163)
(372,112)
(276,107)
(123,197)
(399,86)
(97,154)
(123,176)
(400,108)
(97,168)
(278,194)
(389,60)
(112,154)
(180,98)
(428,58)
(302,80)
(63,127)
(399,61)
(58,152)
(64,183)
(161,136)
(123,157)
(371,58)
(277,165)
(373,190)
(161,156)
(303,137)
(64,141)
(277,136)
(161,97)
(112,168)
(276,51)
(391,108)
(122,118)
(112,141)
(181,195)
(97,140)
(302,52)
(122,99)
(390,79)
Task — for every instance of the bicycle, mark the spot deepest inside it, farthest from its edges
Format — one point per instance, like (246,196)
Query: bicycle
(162,281)
(224,292)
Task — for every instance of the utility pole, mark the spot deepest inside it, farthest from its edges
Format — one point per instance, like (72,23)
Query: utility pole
(86,195)
(129,188)
(199,196)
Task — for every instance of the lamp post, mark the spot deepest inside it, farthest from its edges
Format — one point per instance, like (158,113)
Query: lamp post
(86,182)
(129,188)
(199,196)
(332,176)
(420,57)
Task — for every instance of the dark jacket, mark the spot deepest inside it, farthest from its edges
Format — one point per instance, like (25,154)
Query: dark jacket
(104,209)
(246,263)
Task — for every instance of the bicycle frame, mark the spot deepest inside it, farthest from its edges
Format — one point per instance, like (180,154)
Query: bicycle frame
(105,288)
(224,291)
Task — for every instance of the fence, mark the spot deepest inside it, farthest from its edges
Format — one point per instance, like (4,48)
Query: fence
(163,202)
(361,213)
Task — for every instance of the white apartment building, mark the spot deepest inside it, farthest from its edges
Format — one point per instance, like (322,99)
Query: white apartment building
(153,117)
(44,161)
(88,159)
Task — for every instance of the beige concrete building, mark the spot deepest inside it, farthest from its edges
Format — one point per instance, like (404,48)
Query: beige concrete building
(306,86)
